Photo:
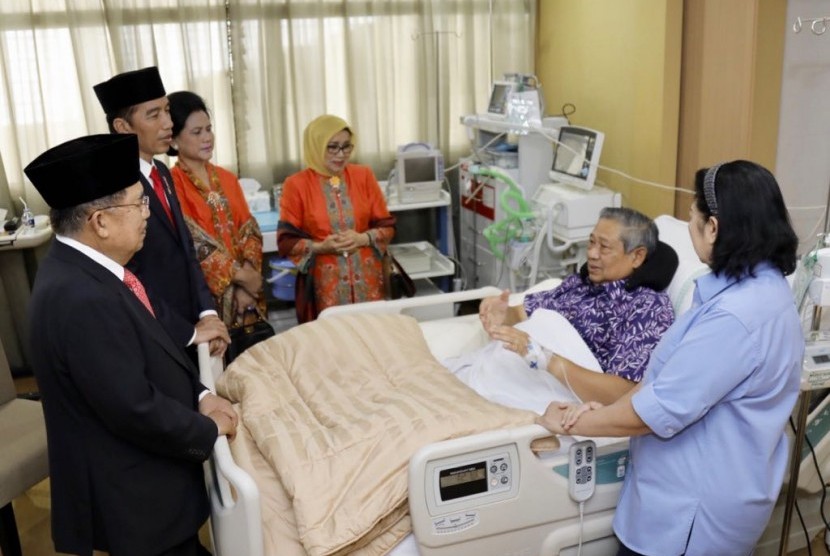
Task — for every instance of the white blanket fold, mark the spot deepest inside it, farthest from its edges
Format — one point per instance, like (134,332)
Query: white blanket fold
(502,376)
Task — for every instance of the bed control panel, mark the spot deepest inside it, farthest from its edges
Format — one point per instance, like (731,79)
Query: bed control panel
(474,478)
(454,523)
(456,486)
(490,493)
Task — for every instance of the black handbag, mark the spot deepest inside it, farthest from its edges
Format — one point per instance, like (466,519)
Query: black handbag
(397,282)
(247,335)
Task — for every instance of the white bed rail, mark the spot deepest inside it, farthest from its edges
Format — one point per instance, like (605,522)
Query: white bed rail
(236,522)
(426,307)
(532,515)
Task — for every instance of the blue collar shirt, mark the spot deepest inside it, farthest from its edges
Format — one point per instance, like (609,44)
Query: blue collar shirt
(717,394)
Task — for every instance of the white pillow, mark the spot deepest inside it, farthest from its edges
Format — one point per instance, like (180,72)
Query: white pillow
(455,336)
(676,233)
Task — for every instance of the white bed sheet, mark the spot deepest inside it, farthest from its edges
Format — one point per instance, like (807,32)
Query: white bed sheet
(500,375)
(503,377)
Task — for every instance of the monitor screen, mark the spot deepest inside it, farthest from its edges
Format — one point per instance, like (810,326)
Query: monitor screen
(498,98)
(576,157)
(419,169)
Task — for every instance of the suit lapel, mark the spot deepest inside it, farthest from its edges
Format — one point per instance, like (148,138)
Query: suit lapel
(108,280)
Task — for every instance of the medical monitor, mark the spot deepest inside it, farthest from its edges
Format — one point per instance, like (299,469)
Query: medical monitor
(419,172)
(576,156)
(499,96)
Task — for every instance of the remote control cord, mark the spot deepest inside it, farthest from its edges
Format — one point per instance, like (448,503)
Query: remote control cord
(581,524)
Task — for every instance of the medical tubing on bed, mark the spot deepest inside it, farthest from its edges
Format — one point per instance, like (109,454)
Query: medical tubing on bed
(516,216)
(564,372)
(536,358)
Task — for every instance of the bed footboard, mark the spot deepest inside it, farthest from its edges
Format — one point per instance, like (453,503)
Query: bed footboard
(236,522)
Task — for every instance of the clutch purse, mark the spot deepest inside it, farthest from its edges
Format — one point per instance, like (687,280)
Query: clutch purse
(247,335)
(396,281)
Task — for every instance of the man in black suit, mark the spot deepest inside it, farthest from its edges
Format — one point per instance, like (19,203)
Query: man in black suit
(135,102)
(128,423)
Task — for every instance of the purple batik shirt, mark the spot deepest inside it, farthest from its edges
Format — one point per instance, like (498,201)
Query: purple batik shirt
(621,328)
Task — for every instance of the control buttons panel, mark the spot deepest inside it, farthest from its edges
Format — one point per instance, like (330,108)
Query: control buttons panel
(455,523)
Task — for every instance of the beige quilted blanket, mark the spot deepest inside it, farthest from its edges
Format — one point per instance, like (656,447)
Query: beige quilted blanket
(332,411)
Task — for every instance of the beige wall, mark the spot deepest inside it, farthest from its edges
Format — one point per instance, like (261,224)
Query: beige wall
(732,67)
(675,85)
(619,62)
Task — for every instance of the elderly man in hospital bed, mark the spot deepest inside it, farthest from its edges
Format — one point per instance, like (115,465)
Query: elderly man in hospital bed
(609,317)
(329,444)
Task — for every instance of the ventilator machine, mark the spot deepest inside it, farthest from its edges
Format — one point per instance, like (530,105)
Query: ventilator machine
(527,213)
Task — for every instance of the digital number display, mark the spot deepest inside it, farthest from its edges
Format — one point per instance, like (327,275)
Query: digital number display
(822,358)
(463,481)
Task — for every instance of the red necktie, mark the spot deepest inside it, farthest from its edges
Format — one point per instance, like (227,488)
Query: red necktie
(135,286)
(158,187)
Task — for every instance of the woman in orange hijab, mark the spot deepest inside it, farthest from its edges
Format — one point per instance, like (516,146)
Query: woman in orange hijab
(334,223)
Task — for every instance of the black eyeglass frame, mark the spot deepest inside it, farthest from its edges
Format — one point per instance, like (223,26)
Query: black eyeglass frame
(143,203)
(345,148)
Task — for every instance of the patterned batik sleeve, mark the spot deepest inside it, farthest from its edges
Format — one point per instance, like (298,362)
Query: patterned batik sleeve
(636,334)
(251,243)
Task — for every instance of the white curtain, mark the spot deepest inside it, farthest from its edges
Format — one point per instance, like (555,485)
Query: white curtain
(398,70)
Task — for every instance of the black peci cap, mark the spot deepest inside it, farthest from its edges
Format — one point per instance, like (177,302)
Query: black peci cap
(85,169)
(129,88)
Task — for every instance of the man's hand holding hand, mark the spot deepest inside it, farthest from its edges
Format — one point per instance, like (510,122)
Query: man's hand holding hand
(221,411)
(211,329)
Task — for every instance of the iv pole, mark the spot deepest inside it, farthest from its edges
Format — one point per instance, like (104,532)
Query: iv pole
(818,26)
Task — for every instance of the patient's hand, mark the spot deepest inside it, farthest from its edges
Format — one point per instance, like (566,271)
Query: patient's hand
(560,417)
(551,419)
(573,412)
(514,339)
(493,311)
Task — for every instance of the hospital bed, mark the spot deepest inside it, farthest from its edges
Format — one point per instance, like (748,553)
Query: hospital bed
(530,511)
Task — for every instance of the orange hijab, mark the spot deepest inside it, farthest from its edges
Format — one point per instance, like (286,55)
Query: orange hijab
(317,135)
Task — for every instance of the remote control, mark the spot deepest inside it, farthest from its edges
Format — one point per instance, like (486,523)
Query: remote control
(582,470)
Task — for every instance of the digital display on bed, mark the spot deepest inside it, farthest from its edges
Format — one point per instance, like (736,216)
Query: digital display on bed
(822,358)
(466,480)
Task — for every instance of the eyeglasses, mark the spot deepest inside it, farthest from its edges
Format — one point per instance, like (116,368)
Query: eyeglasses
(142,204)
(334,148)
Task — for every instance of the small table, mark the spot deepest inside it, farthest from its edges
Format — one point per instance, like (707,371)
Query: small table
(24,238)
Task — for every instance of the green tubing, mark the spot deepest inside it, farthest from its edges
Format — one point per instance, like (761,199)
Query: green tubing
(511,227)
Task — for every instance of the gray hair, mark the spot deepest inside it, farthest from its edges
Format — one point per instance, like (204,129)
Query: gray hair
(71,220)
(637,228)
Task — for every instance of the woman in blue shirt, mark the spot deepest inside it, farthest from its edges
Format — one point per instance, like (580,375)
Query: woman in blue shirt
(719,388)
